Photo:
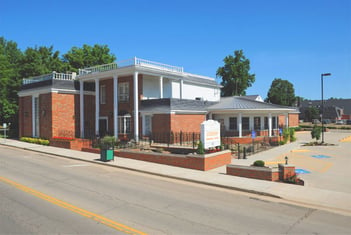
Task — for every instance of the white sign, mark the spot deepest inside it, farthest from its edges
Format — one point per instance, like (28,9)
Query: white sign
(210,134)
(4,125)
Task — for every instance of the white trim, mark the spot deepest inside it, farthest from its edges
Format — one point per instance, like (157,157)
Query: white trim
(32,92)
(115,106)
(97,107)
(81,108)
(136,106)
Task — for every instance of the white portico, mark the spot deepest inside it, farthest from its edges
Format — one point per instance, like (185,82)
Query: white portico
(240,115)
(149,80)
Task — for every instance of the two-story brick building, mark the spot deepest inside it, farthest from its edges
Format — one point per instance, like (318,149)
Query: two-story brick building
(136,97)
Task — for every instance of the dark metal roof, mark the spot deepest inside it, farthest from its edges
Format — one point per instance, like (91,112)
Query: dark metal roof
(168,105)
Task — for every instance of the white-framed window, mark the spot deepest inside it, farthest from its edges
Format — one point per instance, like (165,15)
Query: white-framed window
(35,124)
(124,124)
(102,94)
(123,91)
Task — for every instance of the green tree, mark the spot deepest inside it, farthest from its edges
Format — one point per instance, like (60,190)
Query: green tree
(41,60)
(235,74)
(311,113)
(10,81)
(88,56)
(281,92)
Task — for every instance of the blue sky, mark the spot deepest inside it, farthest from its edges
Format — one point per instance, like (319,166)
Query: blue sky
(296,40)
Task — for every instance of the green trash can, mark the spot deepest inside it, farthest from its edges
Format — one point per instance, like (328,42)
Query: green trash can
(106,155)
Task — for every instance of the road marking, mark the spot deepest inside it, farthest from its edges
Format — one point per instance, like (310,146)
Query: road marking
(300,150)
(346,139)
(85,213)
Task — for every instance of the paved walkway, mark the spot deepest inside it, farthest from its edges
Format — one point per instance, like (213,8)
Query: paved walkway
(321,198)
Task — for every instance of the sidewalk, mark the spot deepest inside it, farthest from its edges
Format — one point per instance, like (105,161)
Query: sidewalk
(339,202)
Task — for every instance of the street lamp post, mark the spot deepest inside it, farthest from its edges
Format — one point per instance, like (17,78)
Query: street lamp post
(323,75)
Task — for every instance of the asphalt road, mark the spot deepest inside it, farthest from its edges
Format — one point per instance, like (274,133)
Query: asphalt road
(44,194)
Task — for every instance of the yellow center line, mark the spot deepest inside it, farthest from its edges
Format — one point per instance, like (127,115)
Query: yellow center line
(88,214)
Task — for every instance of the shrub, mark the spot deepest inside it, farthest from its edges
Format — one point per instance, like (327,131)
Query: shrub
(286,135)
(107,142)
(316,132)
(35,140)
(292,134)
(200,148)
(259,163)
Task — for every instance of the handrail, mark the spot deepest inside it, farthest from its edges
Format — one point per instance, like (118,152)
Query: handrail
(131,62)
(51,76)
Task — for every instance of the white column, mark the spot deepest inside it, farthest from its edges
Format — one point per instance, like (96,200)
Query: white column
(136,108)
(97,106)
(181,88)
(81,107)
(251,123)
(240,125)
(269,124)
(287,120)
(115,106)
(161,87)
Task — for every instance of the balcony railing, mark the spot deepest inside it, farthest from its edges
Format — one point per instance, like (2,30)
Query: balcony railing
(131,62)
(51,76)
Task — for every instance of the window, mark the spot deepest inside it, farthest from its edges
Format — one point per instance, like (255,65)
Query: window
(233,124)
(257,123)
(124,124)
(103,94)
(246,123)
(123,91)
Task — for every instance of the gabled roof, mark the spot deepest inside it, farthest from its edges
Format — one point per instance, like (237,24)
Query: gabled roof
(246,103)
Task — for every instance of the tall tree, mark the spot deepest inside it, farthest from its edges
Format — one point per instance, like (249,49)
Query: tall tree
(235,74)
(10,80)
(281,92)
(41,60)
(88,56)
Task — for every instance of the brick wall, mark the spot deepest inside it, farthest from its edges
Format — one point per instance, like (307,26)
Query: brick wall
(293,120)
(161,123)
(63,115)
(262,173)
(198,162)
(25,116)
(187,122)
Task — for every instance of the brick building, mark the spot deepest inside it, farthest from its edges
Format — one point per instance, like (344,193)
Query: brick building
(137,97)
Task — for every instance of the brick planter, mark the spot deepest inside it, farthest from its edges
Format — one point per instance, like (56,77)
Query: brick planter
(192,161)
(76,144)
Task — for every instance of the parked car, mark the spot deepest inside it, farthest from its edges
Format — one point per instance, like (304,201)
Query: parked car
(339,122)
(348,122)
(326,121)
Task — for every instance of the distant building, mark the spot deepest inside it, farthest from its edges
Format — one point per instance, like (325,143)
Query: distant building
(334,109)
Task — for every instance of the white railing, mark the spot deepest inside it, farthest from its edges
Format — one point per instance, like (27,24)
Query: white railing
(156,65)
(98,69)
(51,76)
(131,62)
